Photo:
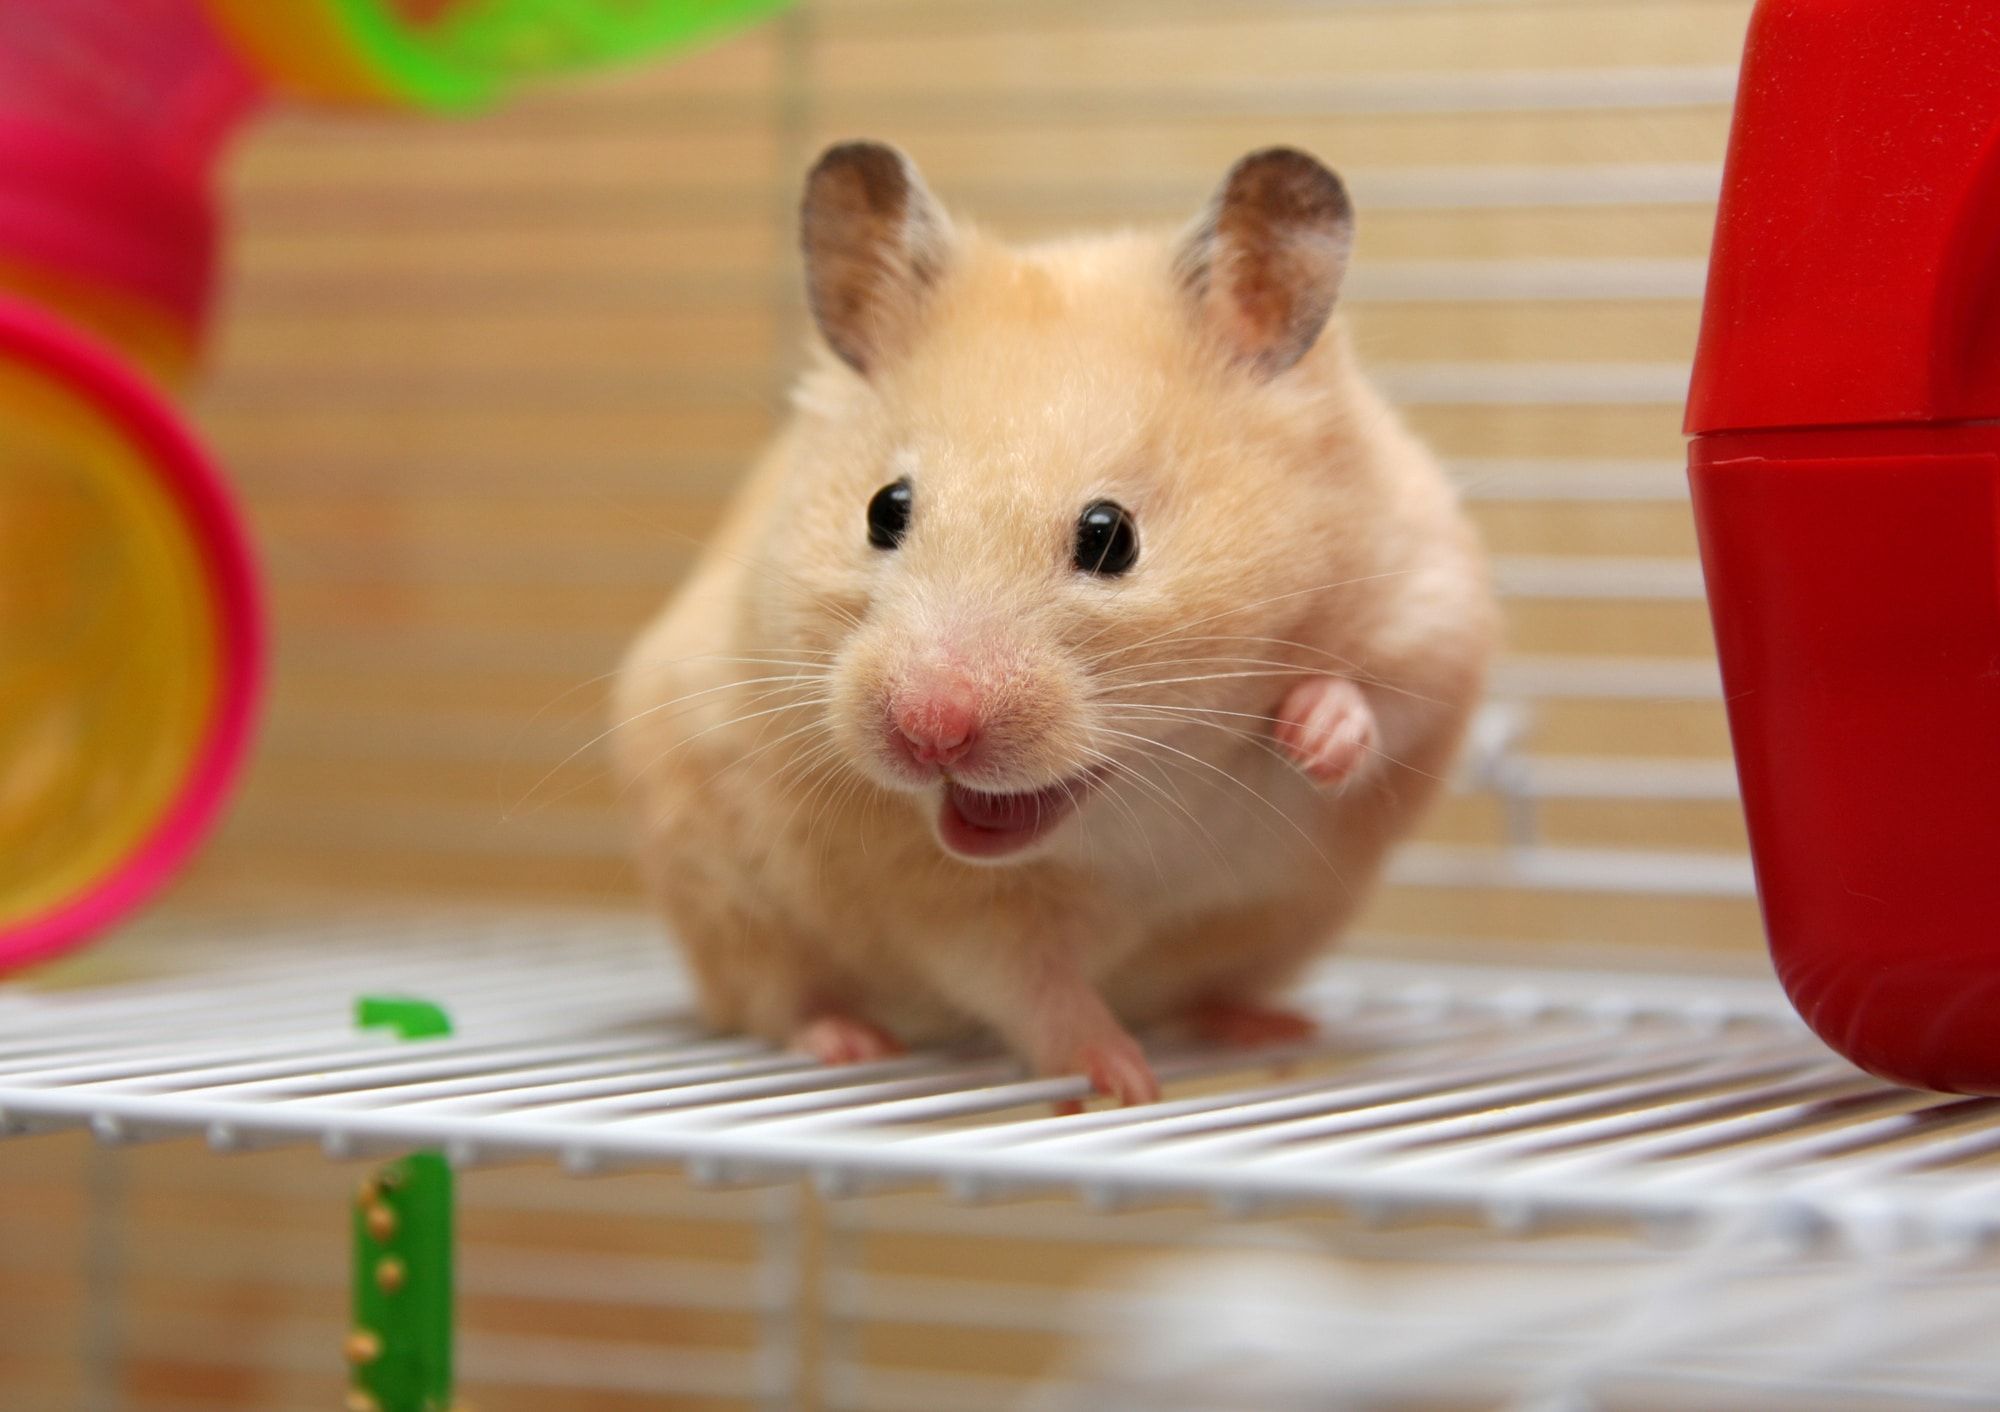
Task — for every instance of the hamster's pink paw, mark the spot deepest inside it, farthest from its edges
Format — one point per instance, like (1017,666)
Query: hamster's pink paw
(842,1039)
(1245,1024)
(1327,729)
(1116,1067)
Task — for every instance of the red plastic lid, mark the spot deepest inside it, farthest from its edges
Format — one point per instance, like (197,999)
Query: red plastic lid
(1855,277)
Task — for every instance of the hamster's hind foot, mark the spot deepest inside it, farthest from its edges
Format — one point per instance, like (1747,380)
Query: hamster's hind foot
(1116,1067)
(1247,1024)
(842,1039)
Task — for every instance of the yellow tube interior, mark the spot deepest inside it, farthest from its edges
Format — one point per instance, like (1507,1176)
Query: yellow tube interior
(107,646)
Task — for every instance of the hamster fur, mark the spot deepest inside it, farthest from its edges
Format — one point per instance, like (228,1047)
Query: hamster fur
(955,782)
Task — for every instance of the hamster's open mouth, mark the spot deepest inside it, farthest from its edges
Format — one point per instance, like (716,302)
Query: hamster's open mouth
(975,824)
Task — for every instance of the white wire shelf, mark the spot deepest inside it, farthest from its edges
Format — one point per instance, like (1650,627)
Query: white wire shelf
(1497,1093)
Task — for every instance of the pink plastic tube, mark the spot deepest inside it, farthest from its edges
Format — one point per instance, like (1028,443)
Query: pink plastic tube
(29,335)
(113,114)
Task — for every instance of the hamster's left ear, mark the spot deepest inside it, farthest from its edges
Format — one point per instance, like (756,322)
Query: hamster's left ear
(1262,265)
(875,242)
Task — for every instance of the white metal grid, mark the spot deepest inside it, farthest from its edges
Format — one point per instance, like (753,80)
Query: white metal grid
(1520,1097)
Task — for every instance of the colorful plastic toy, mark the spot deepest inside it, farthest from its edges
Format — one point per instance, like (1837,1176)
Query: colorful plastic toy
(135,640)
(113,114)
(1846,477)
(399,1348)
(130,614)
(457,53)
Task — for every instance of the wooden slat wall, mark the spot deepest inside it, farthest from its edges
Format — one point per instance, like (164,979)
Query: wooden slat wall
(484,383)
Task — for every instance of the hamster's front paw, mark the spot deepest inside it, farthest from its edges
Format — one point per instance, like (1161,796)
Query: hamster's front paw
(1327,729)
(842,1039)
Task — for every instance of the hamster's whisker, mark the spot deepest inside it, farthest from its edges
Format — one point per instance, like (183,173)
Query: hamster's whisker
(1258,739)
(1217,796)
(791,772)
(1404,764)
(1244,608)
(1272,641)
(819,698)
(804,666)
(1192,715)
(1196,716)
(1240,784)
(769,745)
(1116,796)
(1083,823)
(1255,739)
(1201,835)
(843,788)
(1201,676)
(838,800)
(634,719)
(1083,820)
(1258,716)
(686,741)
(804,698)
(687,696)
(808,772)
(1172,799)
(1200,659)
(586,683)
(808,775)
(1118,675)
(1222,798)
(807,760)
(1349,668)
(768,655)
(666,754)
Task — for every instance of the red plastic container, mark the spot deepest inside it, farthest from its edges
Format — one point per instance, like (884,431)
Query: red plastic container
(1845,465)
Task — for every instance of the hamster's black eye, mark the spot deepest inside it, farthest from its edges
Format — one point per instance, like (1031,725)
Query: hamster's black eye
(1107,542)
(889,515)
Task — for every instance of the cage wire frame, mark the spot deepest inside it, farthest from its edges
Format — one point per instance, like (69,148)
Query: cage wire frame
(1648,1151)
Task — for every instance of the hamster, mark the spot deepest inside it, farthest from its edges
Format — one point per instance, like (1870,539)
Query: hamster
(1074,654)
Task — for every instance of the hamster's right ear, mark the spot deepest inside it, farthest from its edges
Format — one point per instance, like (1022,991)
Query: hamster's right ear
(1263,265)
(875,242)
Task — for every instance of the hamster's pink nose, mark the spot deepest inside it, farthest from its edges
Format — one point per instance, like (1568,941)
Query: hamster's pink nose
(939,727)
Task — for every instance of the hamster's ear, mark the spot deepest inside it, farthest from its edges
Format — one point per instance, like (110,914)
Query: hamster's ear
(1262,265)
(875,242)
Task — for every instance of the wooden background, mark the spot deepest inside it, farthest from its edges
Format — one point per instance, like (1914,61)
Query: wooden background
(484,383)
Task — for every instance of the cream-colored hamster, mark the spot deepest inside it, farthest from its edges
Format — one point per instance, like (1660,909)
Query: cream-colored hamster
(1076,652)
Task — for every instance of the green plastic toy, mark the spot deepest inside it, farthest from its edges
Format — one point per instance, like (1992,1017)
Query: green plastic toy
(450,54)
(399,1351)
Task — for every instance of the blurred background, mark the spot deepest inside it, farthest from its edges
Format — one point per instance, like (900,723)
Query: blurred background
(485,383)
